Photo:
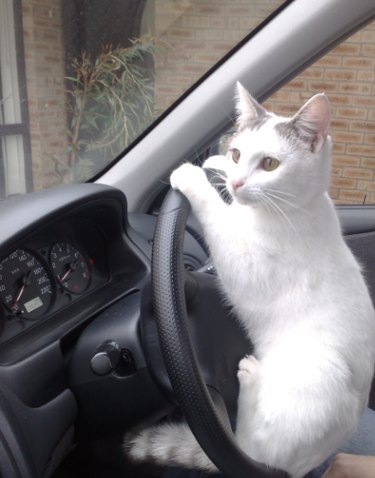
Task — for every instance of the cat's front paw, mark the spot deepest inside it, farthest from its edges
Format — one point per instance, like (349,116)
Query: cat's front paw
(188,178)
(248,369)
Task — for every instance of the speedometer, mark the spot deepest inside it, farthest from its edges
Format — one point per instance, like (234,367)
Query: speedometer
(25,286)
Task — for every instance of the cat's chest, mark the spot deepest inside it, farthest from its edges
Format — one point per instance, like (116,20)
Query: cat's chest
(251,265)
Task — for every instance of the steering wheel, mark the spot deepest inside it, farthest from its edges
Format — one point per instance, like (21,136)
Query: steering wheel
(202,371)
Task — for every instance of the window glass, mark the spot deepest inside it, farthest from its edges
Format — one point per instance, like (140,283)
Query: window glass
(80,80)
(347,76)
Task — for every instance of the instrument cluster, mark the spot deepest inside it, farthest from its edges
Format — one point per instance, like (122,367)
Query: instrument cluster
(39,278)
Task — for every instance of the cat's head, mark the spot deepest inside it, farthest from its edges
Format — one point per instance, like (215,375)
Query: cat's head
(272,159)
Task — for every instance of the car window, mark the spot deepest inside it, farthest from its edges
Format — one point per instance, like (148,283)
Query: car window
(81,81)
(347,75)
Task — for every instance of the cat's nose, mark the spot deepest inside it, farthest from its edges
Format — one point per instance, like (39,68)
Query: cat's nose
(236,183)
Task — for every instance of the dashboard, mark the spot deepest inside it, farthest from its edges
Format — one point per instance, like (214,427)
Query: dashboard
(74,280)
(62,252)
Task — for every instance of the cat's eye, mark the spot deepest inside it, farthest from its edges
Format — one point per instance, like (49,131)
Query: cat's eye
(236,154)
(270,164)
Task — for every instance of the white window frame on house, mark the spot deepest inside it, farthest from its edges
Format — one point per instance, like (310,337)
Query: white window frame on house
(15,158)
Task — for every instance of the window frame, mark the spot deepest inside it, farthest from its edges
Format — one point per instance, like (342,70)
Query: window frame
(19,128)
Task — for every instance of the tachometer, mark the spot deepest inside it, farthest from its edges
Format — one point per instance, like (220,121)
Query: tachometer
(71,269)
(25,286)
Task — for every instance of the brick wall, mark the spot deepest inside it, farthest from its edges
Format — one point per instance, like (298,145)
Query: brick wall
(44,64)
(195,34)
(347,76)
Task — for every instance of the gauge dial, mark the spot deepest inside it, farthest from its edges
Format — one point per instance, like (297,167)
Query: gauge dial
(70,268)
(25,286)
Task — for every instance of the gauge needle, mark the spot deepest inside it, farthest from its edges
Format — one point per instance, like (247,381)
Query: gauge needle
(25,282)
(71,268)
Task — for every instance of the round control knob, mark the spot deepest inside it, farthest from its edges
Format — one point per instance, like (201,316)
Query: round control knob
(106,358)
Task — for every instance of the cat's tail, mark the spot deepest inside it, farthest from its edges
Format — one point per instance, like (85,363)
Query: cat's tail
(167,444)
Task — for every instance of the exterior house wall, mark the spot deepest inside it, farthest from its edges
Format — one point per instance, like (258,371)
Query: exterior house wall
(347,76)
(198,32)
(194,34)
(44,65)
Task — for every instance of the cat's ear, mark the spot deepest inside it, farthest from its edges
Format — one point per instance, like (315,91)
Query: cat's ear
(247,108)
(313,120)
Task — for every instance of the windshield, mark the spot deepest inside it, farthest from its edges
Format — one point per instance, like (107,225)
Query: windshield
(81,80)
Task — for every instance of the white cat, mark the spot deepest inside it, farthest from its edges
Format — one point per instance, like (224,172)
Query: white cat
(295,286)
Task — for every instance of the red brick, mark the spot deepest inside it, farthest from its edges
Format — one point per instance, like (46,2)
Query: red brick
(361,150)
(369,163)
(347,137)
(298,84)
(366,185)
(329,60)
(343,160)
(339,100)
(323,86)
(368,36)
(340,124)
(356,88)
(209,10)
(285,109)
(246,11)
(181,33)
(343,182)
(336,171)
(347,49)
(312,73)
(368,49)
(363,126)
(365,75)
(351,197)
(206,58)
(280,95)
(192,45)
(351,113)
(370,138)
(336,74)
(338,148)
(193,22)
(359,173)
(353,62)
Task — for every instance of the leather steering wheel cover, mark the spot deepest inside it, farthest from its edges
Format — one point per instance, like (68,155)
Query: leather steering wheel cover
(209,423)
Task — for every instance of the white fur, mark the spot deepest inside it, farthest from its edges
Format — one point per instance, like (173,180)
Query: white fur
(295,286)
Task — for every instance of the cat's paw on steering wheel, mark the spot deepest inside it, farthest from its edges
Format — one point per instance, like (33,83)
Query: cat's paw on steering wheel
(187,178)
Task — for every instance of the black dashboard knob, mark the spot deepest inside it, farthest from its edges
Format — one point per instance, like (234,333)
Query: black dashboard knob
(106,358)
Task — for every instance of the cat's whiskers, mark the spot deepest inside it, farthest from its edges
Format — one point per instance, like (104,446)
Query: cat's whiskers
(219,180)
(282,193)
(278,211)
(289,203)
(217,173)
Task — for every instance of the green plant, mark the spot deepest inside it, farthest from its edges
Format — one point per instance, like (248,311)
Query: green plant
(110,102)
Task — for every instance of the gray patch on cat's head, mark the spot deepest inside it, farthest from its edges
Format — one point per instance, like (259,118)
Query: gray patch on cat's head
(291,133)
(255,123)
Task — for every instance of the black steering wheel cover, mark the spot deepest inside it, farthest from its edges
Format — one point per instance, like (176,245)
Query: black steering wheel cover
(207,418)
